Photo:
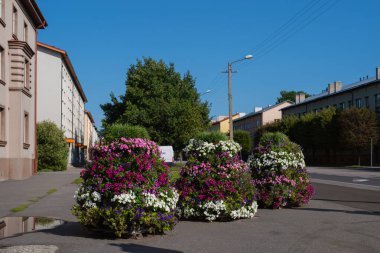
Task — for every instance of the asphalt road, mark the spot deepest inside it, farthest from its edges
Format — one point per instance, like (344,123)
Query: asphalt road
(338,219)
(366,200)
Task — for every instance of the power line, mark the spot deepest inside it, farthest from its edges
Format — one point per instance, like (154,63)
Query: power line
(284,37)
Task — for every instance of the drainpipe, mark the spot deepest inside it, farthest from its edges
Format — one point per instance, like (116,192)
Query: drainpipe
(35,167)
(35,163)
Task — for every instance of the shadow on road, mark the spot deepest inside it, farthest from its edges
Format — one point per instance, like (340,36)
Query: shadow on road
(352,201)
(135,248)
(338,211)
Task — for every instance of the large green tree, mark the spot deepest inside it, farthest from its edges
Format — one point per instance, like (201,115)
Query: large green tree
(161,100)
(289,96)
(357,128)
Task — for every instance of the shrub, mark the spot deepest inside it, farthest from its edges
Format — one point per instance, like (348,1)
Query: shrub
(52,148)
(211,137)
(215,184)
(278,141)
(244,139)
(279,174)
(126,190)
(116,131)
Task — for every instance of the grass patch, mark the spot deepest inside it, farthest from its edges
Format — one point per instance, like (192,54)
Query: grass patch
(79,180)
(19,208)
(174,171)
(52,190)
(35,200)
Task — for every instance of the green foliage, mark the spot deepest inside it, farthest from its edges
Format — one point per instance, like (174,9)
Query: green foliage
(244,139)
(351,129)
(211,137)
(357,128)
(289,96)
(162,101)
(116,131)
(278,141)
(51,147)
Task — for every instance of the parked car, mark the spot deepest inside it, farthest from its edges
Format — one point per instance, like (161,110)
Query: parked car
(167,153)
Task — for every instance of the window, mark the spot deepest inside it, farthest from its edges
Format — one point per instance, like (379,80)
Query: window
(1,9)
(14,21)
(2,126)
(349,104)
(358,103)
(342,106)
(2,64)
(377,103)
(25,33)
(26,130)
(367,102)
(27,75)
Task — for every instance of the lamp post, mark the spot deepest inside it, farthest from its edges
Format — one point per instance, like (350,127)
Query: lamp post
(247,57)
(206,92)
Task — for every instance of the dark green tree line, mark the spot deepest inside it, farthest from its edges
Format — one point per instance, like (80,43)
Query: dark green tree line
(158,98)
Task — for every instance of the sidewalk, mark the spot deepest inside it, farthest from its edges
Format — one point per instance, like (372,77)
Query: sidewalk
(36,191)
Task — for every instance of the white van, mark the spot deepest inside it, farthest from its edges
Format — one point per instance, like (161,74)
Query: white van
(167,154)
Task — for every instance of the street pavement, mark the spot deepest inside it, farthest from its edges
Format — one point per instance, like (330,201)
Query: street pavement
(359,178)
(338,219)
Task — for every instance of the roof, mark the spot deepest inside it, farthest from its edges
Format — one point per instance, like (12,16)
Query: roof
(35,13)
(263,110)
(226,118)
(89,116)
(345,88)
(69,65)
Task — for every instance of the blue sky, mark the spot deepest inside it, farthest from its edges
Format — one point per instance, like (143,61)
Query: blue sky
(327,43)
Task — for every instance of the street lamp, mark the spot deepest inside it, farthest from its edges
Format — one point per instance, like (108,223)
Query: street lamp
(206,92)
(247,57)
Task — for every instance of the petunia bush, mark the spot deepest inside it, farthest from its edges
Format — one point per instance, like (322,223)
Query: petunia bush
(126,190)
(215,184)
(279,174)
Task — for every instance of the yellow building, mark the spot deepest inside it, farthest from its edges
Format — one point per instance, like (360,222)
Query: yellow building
(222,124)
(90,134)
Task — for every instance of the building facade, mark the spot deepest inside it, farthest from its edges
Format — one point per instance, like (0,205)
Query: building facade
(61,98)
(19,22)
(222,123)
(252,121)
(365,93)
(90,134)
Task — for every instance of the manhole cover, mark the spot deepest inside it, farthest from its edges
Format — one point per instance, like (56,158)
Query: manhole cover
(11,226)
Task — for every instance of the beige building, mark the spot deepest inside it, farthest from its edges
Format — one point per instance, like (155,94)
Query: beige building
(222,123)
(19,22)
(61,98)
(365,93)
(90,134)
(262,116)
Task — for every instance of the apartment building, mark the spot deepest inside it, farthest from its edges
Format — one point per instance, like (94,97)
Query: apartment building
(365,93)
(261,116)
(61,98)
(90,134)
(222,123)
(19,22)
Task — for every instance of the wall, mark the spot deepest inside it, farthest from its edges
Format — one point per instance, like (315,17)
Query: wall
(17,157)
(49,86)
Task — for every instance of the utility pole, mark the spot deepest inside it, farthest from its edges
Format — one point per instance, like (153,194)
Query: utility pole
(371,152)
(230,101)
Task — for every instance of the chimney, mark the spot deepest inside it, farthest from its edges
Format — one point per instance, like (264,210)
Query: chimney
(300,97)
(338,86)
(378,73)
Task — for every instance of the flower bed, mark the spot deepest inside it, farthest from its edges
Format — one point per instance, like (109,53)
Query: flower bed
(215,184)
(126,190)
(280,177)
